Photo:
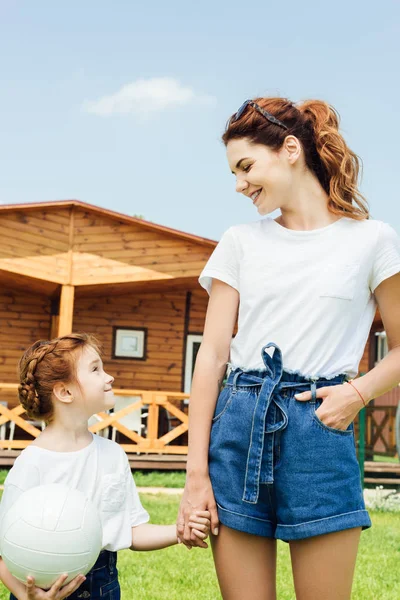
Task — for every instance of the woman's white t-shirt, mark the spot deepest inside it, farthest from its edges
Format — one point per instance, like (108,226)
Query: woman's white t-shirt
(100,470)
(310,292)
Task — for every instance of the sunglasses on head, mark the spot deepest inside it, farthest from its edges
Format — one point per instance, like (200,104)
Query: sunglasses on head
(262,112)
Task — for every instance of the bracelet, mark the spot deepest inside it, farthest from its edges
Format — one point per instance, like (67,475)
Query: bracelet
(353,386)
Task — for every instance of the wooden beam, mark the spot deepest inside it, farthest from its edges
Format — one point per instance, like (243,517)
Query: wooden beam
(66,310)
(71,246)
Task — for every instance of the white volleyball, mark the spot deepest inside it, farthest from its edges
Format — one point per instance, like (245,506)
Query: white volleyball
(50,530)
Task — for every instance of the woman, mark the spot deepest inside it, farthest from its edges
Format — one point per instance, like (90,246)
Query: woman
(275,455)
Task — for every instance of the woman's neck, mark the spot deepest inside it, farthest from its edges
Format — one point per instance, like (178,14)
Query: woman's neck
(307,206)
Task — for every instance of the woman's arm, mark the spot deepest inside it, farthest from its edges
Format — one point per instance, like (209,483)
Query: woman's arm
(208,375)
(342,402)
(386,374)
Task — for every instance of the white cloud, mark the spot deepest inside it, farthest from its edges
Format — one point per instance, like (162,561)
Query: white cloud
(146,96)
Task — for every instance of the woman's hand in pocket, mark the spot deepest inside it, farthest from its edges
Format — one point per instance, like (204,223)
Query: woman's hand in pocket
(340,405)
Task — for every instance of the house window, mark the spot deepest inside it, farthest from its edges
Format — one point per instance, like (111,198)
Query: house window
(129,343)
(381,345)
(193,342)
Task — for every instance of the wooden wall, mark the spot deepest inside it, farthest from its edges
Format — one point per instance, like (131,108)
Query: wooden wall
(24,318)
(163,314)
(364,363)
(198,308)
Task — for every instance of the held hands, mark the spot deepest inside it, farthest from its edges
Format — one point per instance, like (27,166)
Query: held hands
(198,499)
(56,592)
(340,405)
(199,525)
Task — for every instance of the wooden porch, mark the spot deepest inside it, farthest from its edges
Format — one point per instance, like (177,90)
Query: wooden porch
(69,266)
(155,448)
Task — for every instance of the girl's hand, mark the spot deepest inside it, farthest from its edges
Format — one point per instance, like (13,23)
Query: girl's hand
(340,405)
(200,523)
(197,496)
(56,592)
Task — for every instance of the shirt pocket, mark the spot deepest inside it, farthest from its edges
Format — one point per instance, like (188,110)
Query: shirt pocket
(339,281)
(113,495)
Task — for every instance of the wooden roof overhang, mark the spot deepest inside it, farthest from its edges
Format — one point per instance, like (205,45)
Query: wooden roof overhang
(88,245)
(80,258)
(73,249)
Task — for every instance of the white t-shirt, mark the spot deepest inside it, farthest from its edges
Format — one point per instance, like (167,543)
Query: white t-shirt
(310,292)
(100,470)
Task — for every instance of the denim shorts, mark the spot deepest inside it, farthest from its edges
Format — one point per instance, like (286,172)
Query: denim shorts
(277,471)
(101,581)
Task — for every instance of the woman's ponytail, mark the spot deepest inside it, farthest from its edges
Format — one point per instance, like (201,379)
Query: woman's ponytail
(316,125)
(340,164)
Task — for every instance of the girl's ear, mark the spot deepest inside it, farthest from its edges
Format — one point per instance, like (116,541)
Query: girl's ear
(62,393)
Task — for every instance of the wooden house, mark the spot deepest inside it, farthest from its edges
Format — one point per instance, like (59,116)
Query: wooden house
(70,266)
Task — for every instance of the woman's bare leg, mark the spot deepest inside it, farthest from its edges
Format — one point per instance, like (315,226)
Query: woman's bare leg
(323,566)
(245,565)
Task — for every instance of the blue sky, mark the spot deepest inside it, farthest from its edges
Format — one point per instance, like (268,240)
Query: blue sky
(160,156)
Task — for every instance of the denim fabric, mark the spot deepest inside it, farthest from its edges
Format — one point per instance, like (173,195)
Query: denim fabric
(101,581)
(276,469)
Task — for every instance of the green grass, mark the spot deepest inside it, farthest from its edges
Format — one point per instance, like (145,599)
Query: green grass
(176,479)
(389,459)
(177,574)
(170,479)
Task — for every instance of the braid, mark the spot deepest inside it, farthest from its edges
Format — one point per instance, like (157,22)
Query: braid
(35,404)
(45,364)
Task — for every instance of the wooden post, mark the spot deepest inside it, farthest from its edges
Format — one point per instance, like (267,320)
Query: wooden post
(361,443)
(66,310)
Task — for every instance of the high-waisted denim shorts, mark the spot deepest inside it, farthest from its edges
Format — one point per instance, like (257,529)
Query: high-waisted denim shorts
(101,581)
(277,470)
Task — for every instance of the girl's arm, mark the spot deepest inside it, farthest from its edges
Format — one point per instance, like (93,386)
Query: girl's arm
(31,592)
(155,537)
(15,586)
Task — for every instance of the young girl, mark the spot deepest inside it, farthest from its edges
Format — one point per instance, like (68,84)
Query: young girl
(276,452)
(63,382)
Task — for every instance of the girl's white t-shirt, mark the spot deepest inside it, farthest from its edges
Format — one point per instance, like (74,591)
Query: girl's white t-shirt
(310,292)
(100,470)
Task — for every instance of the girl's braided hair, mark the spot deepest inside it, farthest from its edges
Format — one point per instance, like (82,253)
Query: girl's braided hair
(43,365)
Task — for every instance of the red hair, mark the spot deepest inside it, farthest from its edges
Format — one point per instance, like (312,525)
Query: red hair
(316,125)
(46,363)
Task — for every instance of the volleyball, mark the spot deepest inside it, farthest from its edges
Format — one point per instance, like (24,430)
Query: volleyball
(50,530)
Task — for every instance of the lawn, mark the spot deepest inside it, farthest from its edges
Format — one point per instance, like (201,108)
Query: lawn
(179,574)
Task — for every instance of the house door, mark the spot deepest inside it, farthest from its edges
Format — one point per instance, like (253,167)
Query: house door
(193,342)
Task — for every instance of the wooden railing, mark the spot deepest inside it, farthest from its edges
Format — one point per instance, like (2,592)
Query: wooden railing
(151,442)
(380,429)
